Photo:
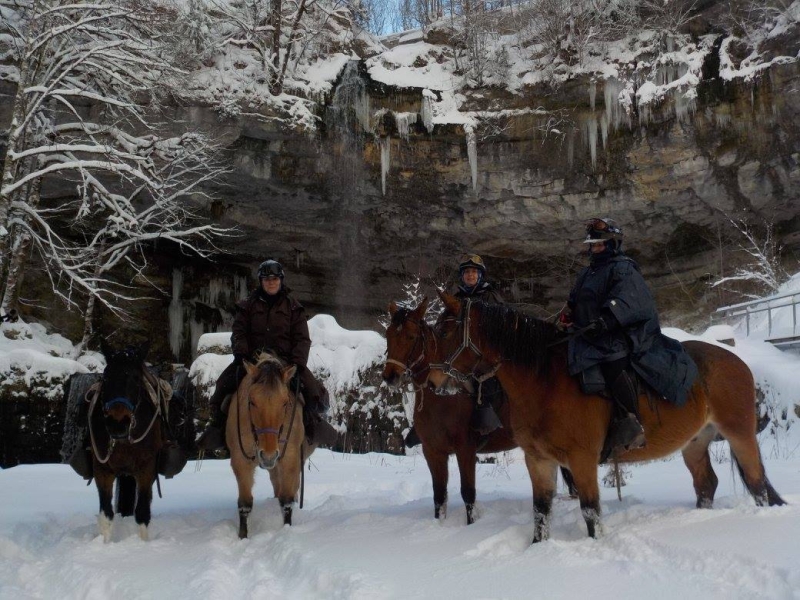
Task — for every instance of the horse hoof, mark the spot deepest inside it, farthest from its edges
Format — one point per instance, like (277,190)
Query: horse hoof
(144,534)
(470,514)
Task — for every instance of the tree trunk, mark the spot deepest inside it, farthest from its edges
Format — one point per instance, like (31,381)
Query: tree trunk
(276,82)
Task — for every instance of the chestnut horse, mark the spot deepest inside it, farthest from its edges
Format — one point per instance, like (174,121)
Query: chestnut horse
(441,421)
(265,427)
(556,424)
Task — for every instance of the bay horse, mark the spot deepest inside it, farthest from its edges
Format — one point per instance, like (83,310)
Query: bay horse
(126,435)
(556,424)
(441,421)
(265,428)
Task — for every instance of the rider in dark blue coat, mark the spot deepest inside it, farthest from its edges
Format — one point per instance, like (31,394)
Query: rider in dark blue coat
(621,336)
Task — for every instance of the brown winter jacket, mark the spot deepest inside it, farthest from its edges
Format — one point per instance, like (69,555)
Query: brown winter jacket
(282,329)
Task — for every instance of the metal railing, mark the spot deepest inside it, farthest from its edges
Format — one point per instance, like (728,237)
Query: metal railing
(768,305)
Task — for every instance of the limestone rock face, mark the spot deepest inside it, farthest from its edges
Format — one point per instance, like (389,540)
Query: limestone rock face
(366,203)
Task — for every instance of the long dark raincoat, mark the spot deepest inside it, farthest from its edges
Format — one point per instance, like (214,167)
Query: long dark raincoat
(614,285)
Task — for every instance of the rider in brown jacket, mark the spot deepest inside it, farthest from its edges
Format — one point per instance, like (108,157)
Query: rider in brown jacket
(269,319)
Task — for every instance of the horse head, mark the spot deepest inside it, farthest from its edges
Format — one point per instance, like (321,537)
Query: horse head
(477,338)
(406,342)
(268,398)
(122,388)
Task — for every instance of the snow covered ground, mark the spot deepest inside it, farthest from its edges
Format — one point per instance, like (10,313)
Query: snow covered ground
(367,531)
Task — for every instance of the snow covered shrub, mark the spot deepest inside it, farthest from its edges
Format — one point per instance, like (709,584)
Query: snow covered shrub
(776,416)
(228,108)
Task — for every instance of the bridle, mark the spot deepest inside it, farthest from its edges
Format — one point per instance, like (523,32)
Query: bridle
(92,395)
(409,367)
(257,431)
(447,368)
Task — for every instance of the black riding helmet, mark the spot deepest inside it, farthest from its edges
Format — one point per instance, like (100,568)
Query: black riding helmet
(604,230)
(270,268)
(473,261)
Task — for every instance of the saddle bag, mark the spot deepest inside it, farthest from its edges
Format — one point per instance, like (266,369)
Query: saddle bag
(171,459)
(592,380)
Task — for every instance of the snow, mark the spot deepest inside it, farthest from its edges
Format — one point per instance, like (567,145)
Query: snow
(367,531)
(34,358)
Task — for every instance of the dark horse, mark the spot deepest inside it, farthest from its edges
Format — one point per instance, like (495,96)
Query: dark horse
(441,421)
(126,434)
(556,424)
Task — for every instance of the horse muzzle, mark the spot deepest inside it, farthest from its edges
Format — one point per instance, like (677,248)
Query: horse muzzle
(267,461)
(118,429)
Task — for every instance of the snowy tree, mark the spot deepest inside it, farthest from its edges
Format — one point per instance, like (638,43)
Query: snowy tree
(763,269)
(84,73)
(277,30)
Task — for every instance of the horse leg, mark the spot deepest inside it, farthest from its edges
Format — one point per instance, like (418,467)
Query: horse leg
(126,495)
(244,471)
(105,490)
(437,465)
(543,473)
(569,481)
(698,461)
(747,457)
(466,468)
(285,479)
(144,499)
(584,473)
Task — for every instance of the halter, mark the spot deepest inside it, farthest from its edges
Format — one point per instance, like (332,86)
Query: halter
(408,368)
(93,393)
(466,344)
(256,431)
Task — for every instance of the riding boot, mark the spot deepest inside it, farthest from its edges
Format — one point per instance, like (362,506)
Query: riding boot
(318,430)
(213,438)
(626,431)
(412,439)
(484,418)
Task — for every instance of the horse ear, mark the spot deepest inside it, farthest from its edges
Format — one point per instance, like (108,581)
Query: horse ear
(422,308)
(250,368)
(450,302)
(288,372)
(392,307)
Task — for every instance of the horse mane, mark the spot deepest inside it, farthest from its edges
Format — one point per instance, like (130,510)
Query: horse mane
(400,315)
(520,338)
(269,367)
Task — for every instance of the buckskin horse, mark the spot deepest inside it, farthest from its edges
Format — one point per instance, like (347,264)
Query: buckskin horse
(556,424)
(265,428)
(127,433)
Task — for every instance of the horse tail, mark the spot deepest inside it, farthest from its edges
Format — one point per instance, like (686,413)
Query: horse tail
(763,493)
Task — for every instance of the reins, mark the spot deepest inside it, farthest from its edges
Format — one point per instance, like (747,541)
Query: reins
(256,431)
(94,393)
(408,368)
(466,344)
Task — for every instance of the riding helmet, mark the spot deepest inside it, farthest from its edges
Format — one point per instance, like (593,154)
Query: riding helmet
(602,229)
(270,268)
(473,261)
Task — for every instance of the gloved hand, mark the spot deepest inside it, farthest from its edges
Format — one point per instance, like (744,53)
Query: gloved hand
(597,327)
(564,319)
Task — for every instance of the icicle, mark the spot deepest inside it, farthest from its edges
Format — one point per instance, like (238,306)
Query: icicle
(176,314)
(591,129)
(614,110)
(196,329)
(386,159)
(427,109)
(404,120)
(592,93)
(684,104)
(604,129)
(472,154)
